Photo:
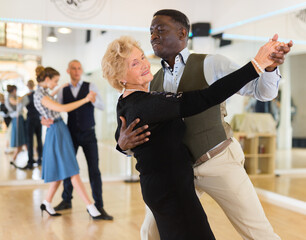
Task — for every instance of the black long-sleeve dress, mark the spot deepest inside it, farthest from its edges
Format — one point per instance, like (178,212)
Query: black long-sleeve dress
(7,118)
(164,162)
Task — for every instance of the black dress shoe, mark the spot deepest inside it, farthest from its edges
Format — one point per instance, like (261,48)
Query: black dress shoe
(14,164)
(43,208)
(39,162)
(63,205)
(28,166)
(104,214)
(99,217)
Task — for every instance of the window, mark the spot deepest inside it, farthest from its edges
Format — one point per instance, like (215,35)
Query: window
(17,35)
(2,34)
(32,36)
(14,35)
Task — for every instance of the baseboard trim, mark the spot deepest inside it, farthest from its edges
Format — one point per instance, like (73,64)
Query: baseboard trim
(27,182)
(282,201)
(291,171)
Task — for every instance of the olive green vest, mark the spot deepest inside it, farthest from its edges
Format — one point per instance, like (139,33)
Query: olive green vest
(205,130)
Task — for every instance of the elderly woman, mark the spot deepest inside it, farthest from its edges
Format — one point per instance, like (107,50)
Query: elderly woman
(164,162)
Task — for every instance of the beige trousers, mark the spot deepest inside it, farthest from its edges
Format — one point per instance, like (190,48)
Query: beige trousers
(226,181)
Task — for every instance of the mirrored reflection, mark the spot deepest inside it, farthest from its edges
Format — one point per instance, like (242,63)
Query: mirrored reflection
(21,175)
(17,67)
(36,174)
(18,35)
(22,159)
(24,51)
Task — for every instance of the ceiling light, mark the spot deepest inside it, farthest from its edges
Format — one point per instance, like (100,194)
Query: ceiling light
(64,30)
(52,37)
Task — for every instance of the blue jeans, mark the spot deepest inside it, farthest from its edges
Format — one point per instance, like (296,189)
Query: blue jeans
(88,141)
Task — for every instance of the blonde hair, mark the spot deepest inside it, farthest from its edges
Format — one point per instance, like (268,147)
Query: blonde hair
(114,65)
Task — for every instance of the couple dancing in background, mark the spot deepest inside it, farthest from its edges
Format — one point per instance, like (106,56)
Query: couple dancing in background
(161,180)
(59,161)
(15,106)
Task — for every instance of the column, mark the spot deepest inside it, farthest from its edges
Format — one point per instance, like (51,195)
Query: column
(285,129)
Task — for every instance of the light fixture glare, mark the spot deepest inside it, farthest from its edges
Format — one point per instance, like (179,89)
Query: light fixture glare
(52,37)
(64,30)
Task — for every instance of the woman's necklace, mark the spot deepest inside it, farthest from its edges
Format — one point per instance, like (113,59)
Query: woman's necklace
(131,90)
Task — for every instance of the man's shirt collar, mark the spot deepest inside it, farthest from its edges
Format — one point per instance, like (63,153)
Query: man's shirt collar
(79,84)
(182,57)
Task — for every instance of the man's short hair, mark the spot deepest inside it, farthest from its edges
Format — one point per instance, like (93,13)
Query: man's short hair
(176,15)
(72,61)
(31,83)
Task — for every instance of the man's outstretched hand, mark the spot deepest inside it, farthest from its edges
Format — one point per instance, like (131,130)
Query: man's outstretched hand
(130,138)
(279,56)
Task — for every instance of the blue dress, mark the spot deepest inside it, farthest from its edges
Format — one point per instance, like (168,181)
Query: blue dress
(59,161)
(18,135)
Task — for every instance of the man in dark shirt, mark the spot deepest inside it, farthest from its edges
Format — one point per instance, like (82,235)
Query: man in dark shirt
(81,125)
(33,127)
(4,111)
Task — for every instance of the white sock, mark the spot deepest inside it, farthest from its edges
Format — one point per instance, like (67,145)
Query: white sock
(49,208)
(93,211)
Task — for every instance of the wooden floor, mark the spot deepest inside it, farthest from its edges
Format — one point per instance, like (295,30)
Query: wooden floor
(20,216)
(21,193)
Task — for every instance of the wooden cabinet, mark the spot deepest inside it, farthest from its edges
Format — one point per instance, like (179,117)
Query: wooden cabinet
(259,153)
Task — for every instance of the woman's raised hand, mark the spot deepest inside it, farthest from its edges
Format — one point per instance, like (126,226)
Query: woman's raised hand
(263,56)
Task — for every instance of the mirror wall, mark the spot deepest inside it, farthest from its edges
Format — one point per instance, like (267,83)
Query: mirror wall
(17,66)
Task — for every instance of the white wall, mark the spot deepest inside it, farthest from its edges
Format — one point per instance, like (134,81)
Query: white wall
(229,12)
(58,55)
(139,13)
(90,54)
(298,90)
(136,13)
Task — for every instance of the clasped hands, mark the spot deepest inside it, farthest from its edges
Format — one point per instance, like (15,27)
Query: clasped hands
(91,96)
(278,57)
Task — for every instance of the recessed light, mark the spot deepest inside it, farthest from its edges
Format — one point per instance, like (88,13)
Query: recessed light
(64,30)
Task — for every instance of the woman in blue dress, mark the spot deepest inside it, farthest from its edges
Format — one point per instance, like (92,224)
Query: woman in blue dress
(15,106)
(59,161)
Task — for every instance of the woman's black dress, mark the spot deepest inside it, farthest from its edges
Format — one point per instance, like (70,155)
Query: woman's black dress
(164,162)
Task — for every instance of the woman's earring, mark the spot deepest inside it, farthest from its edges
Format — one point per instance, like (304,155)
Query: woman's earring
(124,83)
